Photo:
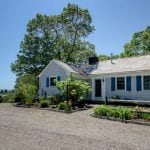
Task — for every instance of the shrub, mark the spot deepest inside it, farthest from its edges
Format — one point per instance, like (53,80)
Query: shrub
(125,113)
(73,89)
(62,106)
(9,98)
(52,99)
(41,98)
(138,112)
(112,112)
(100,111)
(69,106)
(146,116)
(117,112)
(44,103)
(26,88)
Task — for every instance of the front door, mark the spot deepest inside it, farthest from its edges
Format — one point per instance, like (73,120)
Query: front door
(98,88)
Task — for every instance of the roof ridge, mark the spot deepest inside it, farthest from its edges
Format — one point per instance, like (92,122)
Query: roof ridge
(123,58)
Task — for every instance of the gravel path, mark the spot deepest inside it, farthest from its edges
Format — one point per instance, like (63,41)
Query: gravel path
(34,129)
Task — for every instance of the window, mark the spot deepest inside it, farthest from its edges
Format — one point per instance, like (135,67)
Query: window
(120,83)
(146,82)
(53,81)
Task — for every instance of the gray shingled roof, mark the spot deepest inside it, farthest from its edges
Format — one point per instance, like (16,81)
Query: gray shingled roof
(120,65)
(83,69)
(139,63)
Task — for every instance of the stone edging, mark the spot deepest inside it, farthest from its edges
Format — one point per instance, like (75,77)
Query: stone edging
(124,121)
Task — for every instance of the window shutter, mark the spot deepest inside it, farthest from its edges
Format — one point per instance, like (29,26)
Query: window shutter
(138,83)
(113,84)
(128,83)
(58,78)
(47,82)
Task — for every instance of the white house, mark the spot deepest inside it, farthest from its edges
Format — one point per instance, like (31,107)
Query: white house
(128,78)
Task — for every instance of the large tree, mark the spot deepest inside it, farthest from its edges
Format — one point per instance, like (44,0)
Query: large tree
(55,37)
(139,44)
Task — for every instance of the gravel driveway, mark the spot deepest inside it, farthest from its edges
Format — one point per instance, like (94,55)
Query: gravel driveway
(34,129)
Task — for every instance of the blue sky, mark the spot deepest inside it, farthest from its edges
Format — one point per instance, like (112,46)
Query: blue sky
(115,21)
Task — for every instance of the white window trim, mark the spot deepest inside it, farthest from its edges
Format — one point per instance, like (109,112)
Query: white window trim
(50,80)
(125,78)
(143,82)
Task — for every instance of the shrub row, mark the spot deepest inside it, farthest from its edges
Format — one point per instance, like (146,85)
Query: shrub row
(116,112)
(61,106)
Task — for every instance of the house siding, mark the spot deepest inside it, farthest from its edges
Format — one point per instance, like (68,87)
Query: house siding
(53,70)
(134,91)
(124,94)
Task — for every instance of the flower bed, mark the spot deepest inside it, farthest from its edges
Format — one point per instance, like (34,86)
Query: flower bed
(45,105)
(121,114)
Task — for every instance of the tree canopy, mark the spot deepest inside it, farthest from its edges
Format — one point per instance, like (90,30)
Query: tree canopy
(139,44)
(55,37)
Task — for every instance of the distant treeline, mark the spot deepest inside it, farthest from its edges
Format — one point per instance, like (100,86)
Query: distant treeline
(6,91)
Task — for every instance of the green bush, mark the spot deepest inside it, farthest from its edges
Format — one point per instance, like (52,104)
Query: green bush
(125,113)
(41,98)
(26,88)
(44,103)
(100,111)
(69,106)
(9,98)
(62,106)
(146,116)
(73,89)
(65,106)
(117,112)
(52,99)
(138,112)
(112,112)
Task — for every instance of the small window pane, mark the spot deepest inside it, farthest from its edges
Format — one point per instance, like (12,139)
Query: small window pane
(120,83)
(146,82)
(53,81)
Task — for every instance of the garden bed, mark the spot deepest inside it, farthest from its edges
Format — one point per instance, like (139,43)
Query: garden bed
(123,114)
(49,108)
(134,121)
(63,111)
